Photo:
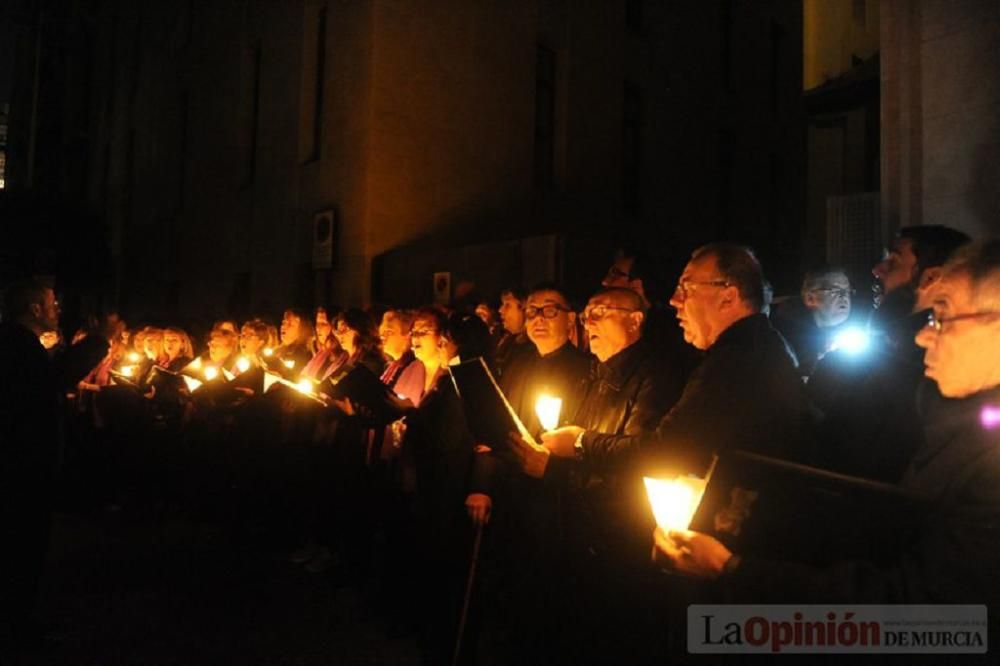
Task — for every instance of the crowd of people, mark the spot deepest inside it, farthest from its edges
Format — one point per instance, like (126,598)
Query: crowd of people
(534,548)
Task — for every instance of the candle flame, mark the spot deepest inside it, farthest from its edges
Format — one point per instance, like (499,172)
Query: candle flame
(674,501)
(268,351)
(211,372)
(134,357)
(243,364)
(289,363)
(304,386)
(128,370)
(192,383)
(547,408)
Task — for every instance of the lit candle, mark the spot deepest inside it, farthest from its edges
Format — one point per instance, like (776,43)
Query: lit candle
(289,363)
(243,364)
(548,408)
(211,372)
(128,370)
(304,386)
(192,383)
(268,351)
(674,501)
(135,357)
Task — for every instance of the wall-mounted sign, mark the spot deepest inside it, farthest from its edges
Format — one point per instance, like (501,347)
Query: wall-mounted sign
(324,235)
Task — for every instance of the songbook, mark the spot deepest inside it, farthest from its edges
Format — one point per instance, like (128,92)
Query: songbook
(778,509)
(362,387)
(487,410)
(121,379)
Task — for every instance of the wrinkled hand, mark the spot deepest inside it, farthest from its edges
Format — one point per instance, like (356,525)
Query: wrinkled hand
(561,440)
(478,507)
(532,458)
(692,553)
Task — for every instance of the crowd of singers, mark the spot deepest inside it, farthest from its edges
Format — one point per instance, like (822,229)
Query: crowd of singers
(557,522)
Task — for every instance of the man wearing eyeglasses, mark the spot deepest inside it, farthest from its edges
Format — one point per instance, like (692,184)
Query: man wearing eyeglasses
(811,323)
(869,425)
(953,558)
(746,393)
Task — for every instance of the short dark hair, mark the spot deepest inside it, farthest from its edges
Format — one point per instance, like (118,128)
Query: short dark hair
(19,296)
(554,288)
(932,244)
(469,333)
(738,265)
(814,275)
(434,315)
(361,322)
(517,292)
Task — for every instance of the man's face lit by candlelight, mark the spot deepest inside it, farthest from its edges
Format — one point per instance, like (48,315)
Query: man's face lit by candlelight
(611,324)
(962,355)
(699,301)
(548,320)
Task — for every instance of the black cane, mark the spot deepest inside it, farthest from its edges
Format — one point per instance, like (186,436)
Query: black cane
(468,594)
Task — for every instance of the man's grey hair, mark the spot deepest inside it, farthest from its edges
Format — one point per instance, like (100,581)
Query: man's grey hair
(980,262)
(624,296)
(738,265)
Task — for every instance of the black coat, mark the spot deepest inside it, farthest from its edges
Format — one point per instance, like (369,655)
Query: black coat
(746,394)
(953,559)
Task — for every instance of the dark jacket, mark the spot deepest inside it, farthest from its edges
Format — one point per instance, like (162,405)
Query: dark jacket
(868,424)
(952,560)
(746,394)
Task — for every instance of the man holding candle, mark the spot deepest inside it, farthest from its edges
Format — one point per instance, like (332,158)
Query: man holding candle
(745,394)
(953,560)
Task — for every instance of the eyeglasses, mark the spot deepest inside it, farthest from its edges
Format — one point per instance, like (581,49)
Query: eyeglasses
(419,334)
(547,311)
(596,313)
(937,323)
(836,292)
(685,287)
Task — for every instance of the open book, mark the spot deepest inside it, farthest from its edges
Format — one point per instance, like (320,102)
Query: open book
(487,410)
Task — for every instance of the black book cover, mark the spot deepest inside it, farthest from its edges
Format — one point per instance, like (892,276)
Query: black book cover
(777,509)
(364,388)
(487,410)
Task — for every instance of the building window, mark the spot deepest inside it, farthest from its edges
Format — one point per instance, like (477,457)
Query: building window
(631,148)
(313,79)
(545,118)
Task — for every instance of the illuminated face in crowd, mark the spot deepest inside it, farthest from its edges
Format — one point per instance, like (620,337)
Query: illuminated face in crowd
(962,356)
(250,342)
(291,328)
(394,334)
(346,336)
(153,344)
(698,300)
(548,320)
(220,346)
(511,313)
(426,341)
(323,327)
(898,268)
(172,344)
(829,300)
(611,325)
(46,313)
(487,314)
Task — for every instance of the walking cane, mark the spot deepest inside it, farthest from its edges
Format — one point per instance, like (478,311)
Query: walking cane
(468,594)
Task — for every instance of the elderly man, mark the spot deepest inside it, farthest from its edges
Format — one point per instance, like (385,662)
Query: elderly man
(811,323)
(953,559)
(745,394)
